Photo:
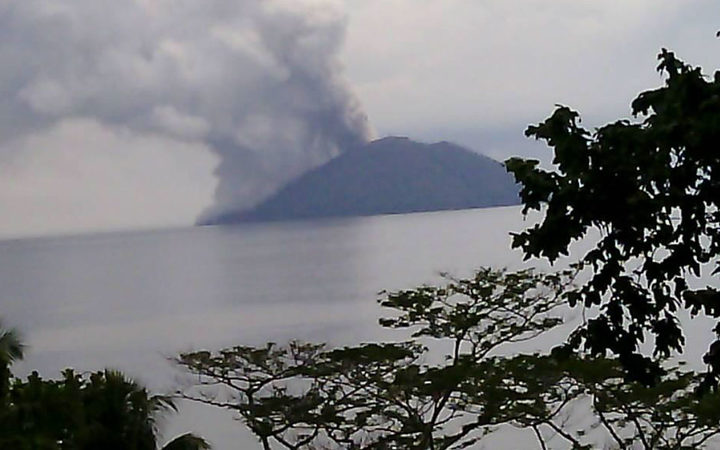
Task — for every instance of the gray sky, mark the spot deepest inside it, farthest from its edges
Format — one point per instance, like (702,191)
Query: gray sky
(145,113)
(479,71)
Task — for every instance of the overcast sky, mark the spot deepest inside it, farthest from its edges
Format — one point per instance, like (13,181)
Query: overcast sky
(145,113)
(480,71)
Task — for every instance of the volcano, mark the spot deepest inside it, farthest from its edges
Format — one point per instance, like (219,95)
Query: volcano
(393,175)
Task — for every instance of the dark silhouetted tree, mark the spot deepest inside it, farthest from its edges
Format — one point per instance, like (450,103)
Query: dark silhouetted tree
(104,410)
(388,396)
(11,349)
(652,190)
(449,386)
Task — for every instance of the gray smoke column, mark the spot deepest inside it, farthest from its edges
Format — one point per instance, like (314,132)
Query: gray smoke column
(258,82)
(301,117)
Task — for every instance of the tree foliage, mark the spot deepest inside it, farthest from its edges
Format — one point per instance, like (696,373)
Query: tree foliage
(102,410)
(652,189)
(11,349)
(457,379)
(384,396)
(625,415)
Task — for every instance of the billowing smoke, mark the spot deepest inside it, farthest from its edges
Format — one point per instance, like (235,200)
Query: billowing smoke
(258,82)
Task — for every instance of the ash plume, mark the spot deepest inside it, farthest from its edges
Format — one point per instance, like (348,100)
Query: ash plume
(257,82)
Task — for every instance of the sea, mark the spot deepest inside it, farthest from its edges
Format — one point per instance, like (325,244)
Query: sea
(134,300)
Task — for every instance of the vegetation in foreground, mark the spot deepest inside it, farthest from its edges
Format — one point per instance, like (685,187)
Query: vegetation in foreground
(652,191)
(456,378)
(104,410)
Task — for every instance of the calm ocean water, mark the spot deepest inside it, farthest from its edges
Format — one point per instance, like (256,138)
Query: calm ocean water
(130,300)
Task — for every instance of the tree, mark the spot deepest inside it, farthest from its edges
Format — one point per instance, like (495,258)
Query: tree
(11,350)
(386,396)
(622,415)
(652,190)
(102,410)
(455,381)
(119,413)
(77,412)
(667,415)
(187,441)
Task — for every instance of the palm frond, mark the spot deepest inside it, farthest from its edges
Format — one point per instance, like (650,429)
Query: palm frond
(11,345)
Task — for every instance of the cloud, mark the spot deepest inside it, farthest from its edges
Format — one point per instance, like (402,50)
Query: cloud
(80,174)
(168,119)
(493,64)
(257,83)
